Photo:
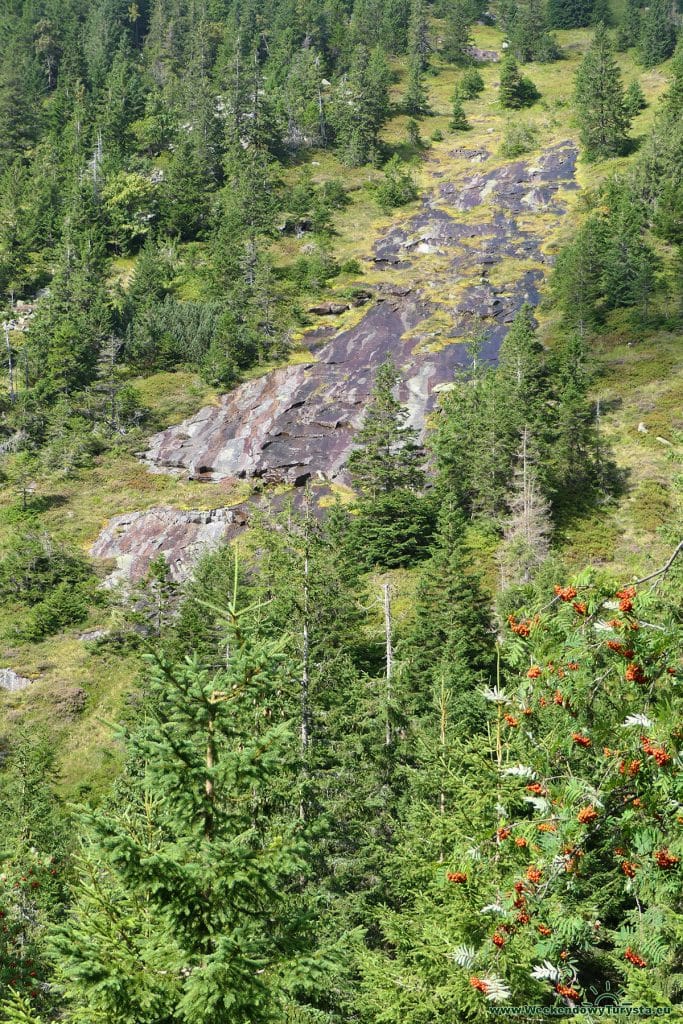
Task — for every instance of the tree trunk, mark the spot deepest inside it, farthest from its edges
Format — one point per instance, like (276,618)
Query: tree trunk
(389,660)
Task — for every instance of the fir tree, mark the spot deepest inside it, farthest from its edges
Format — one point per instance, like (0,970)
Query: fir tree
(599,98)
(386,457)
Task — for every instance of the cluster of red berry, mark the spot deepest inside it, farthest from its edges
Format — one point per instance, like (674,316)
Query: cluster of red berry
(619,648)
(633,958)
(665,859)
(479,985)
(626,598)
(660,755)
(567,990)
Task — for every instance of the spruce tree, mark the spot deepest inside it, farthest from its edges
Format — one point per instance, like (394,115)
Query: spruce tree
(186,907)
(629,30)
(17,1009)
(673,101)
(599,98)
(528,33)
(634,99)
(569,13)
(416,100)
(572,470)
(361,105)
(576,277)
(458,122)
(657,39)
(457,38)
(528,526)
(516,90)
(471,84)
(386,456)
(451,638)
(35,870)
(419,47)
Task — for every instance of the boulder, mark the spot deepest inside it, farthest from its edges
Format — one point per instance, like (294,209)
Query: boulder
(12,681)
(329,308)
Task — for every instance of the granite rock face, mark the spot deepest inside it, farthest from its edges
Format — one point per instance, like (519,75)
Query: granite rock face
(297,422)
(469,273)
(137,538)
(518,186)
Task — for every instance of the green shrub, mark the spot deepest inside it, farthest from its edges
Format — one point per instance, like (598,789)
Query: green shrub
(33,565)
(57,584)
(66,605)
(519,137)
(471,84)
(310,272)
(351,266)
(398,187)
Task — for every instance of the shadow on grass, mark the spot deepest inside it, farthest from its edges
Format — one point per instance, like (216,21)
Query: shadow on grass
(35,506)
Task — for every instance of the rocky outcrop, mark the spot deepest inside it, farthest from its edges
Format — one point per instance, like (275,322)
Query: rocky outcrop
(469,274)
(297,423)
(519,186)
(12,681)
(136,538)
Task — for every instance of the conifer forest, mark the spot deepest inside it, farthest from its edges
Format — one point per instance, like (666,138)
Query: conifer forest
(341,557)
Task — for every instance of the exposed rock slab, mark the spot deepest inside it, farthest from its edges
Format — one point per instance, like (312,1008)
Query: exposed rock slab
(12,681)
(297,424)
(136,538)
(518,186)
